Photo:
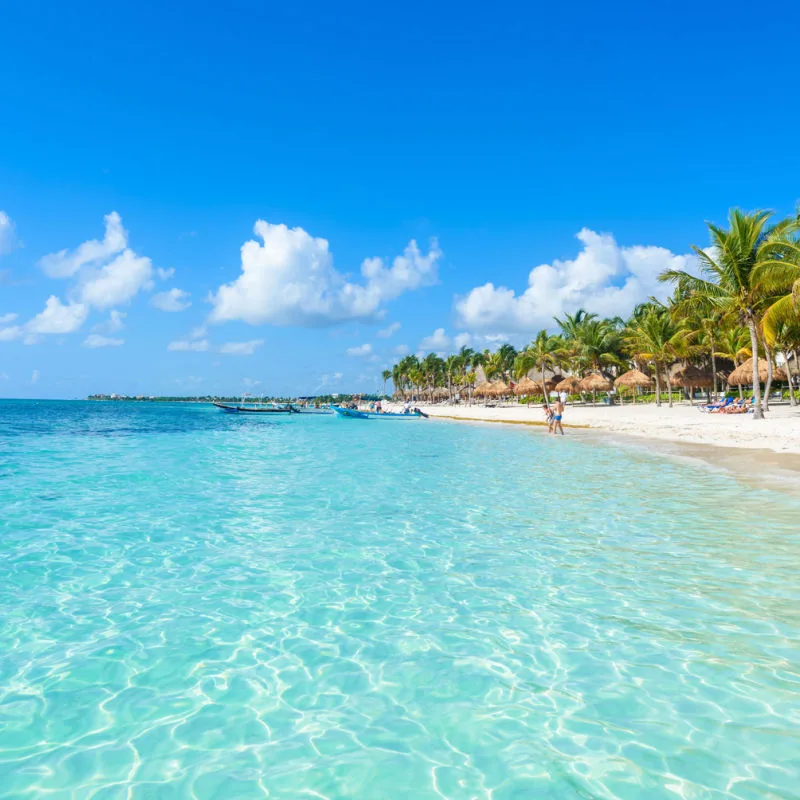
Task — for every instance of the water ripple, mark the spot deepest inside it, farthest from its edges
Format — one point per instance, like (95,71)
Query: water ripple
(200,606)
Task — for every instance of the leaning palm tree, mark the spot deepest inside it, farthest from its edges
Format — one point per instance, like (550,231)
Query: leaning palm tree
(729,269)
(386,375)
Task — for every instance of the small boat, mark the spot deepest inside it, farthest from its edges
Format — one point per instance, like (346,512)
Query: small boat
(243,409)
(352,413)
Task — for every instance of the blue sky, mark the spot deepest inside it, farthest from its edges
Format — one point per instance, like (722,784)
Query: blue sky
(491,135)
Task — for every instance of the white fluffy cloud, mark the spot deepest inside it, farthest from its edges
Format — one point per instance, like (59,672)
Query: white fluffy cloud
(117,282)
(11,333)
(186,345)
(361,351)
(437,341)
(58,317)
(7,319)
(603,278)
(171,300)
(97,340)
(241,348)
(65,263)
(8,239)
(107,272)
(389,330)
(289,279)
(113,324)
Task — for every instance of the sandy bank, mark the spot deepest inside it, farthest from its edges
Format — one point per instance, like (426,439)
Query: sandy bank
(779,432)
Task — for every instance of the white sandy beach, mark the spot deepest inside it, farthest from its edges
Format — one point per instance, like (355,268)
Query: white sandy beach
(779,431)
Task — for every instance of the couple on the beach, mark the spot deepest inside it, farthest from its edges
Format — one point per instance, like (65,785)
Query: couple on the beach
(554,414)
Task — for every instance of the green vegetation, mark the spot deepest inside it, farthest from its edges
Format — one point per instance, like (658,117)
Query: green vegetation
(743,302)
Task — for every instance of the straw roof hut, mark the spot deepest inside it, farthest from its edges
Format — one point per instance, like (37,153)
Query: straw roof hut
(693,377)
(743,374)
(632,379)
(527,386)
(482,389)
(569,384)
(595,383)
(499,388)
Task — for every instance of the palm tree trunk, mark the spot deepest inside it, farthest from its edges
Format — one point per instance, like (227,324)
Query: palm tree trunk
(658,388)
(544,388)
(741,393)
(758,412)
(713,365)
(789,376)
(768,386)
(669,387)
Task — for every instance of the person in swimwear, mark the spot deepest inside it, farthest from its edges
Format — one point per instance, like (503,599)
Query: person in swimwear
(548,415)
(557,416)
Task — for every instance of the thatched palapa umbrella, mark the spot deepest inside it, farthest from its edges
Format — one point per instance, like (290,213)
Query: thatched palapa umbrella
(499,389)
(569,384)
(743,374)
(482,389)
(633,379)
(693,377)
(527,386)
(595,383)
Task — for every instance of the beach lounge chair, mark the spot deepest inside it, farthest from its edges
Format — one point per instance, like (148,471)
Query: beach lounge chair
(713,408)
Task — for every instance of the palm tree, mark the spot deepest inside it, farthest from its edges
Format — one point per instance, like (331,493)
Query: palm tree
(782,334)
(599,344)
(729,272)
(656,337)
(386,375)
(543,352)
(734,344)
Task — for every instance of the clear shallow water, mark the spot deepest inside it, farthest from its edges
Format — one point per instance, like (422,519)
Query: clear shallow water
(198,605)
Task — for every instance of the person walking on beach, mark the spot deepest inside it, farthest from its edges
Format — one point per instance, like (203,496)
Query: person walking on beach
(548,415)
(558,414)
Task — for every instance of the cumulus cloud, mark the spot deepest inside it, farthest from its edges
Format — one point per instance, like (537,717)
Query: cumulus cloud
(361,351)
(117,282)
(7,319)
(241,348)
(58,317)
(462,340)
(107,271)
(603,278)
(11,333)
(66,263)
(172,300)
(113,324)
(97,340)
(438,341)
(8,239)
(390,330)
(401,350)
(289,279)
(187,345)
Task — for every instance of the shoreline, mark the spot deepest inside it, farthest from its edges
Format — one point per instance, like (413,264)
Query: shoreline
(765,453)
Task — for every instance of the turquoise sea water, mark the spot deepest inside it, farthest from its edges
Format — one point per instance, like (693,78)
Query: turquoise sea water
(197,605)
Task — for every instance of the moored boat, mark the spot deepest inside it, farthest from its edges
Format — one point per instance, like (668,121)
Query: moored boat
(243,409)
(355,414)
